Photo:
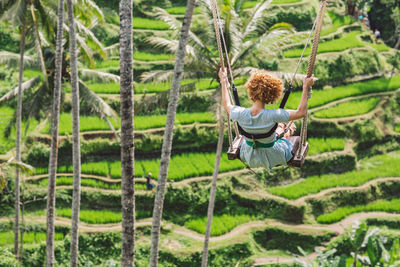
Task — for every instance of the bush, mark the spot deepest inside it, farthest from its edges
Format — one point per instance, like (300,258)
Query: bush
(279,239)
(338,163)
(38,155)
(334,71)
(7,259)
(375,167)
(302,19)
(377,145)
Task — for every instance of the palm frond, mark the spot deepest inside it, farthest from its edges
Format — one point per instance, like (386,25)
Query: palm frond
(88,35)
(112,50)
(267,41)
(23,167)
(98,76)
(163,15)
(26,85)
(97,104)
(157,76)
(170,46)
(288,76)
(12,60)
(14,12)
(256,14)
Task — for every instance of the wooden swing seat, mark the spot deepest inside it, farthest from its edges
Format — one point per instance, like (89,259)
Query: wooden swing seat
(298,158)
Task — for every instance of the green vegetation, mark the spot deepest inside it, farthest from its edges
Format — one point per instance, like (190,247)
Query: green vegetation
(29,237)
(348,41)
(337,22)
(144,56)
(90,182)
(251,4)
(149,24)
(378,166)
(92,123)
(93,216)
(181,167)
(180,10)
(340,213)
(220,224)
(381,47)
(7,143)
(397,127)
(321,145)
(141,88)
(347,109)
(322,97)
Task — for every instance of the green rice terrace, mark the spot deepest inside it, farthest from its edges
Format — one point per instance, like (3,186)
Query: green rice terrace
(284,216)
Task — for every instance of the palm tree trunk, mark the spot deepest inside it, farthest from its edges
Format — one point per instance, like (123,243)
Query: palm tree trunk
(127,146)
(213,186)
(51,192)
(18,144)
(76,146)
(169,129)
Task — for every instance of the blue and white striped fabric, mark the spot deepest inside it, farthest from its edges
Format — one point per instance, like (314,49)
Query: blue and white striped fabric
(263,122)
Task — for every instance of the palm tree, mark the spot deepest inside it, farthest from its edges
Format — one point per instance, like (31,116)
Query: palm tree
(51,196)
(213,190)
(243,34)
(76,150)
(127,147)
(39,98)
(19,18)
(169,129)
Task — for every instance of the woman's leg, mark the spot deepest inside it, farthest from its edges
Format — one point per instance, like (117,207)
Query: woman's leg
(282,129)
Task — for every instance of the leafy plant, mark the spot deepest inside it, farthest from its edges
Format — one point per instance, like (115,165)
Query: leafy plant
(347,109)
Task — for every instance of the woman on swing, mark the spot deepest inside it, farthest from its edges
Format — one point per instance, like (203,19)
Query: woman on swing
(264,89)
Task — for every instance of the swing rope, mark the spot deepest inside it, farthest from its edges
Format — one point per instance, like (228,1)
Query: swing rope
(221,58)
(310,70)
(317,25)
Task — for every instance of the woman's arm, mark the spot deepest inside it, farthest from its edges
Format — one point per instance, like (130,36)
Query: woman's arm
(225,87)
(302,108)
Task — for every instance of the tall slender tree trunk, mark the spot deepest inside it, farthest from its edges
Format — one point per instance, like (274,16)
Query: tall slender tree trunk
(51,193)
(169,130)
(18,144)
(76,145)
(213,189)
(127,145)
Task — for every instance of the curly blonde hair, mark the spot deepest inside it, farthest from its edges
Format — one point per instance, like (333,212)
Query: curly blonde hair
(263,87)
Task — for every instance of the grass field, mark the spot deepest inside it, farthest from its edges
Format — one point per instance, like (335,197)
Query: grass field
(89,182)
(381,47)
(143,56)
(220,224)
(149,24)
(321,145)
(181,167)
(337,22)
(348,41)
(141,88)
(348,109)
(180,10)
(93,216)
(340,213)
(322,97)
(7,238)
(92,123)
(378,166)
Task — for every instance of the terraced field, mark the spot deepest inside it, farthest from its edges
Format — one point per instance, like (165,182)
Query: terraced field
(351,173)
